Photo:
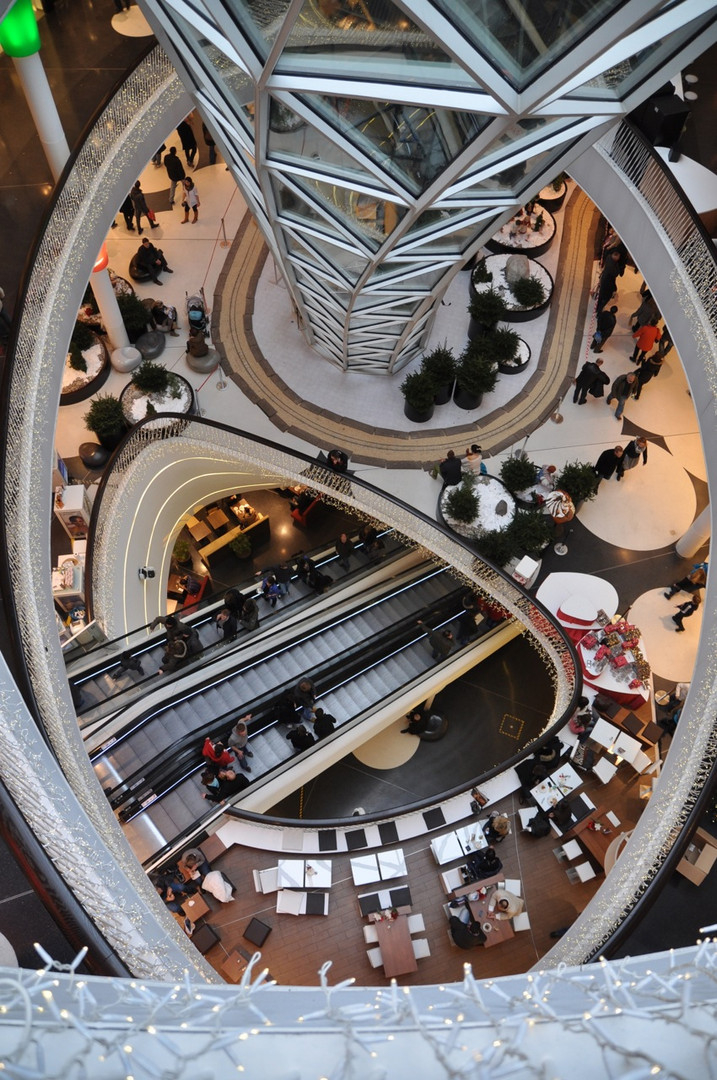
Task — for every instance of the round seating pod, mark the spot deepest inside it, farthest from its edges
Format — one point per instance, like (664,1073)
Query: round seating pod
(136,272)
(150,344)
(126,359)
(436,728)
(92,455)
(203,364)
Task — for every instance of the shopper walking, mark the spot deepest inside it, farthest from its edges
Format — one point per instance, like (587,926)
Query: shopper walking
(609,462)
(649,368)
(591,378)
(188,141)
(685,610)
(604,326)
(127,212)
(622,388)
(691,583)
(191,200)
(646,337)
(140,207)
(175,171)
(632,453)
(211,145)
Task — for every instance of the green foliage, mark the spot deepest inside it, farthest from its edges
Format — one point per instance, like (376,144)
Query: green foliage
(105,416)
(83,337)
(462,503)
(439,366)
(487,308)
(241,546)
(134,315)
(151,378)
(496,546)
(518,473)
(579,480)
(476,374)
(539,222)
(530,532)
(182,550)
(481,274)
(528,292)
(418,390)
(77,360)
(559,181)
(501,345)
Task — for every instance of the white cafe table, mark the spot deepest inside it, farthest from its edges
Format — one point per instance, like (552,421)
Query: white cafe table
(446,848)
(290,873)
(604,733)
(317,874)
(471,838)
(391,864)
(364,869)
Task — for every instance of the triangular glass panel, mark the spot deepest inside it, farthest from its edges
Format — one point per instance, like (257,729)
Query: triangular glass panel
(350,263)
(368,216)
(367,39)
(260,20)
(410,142)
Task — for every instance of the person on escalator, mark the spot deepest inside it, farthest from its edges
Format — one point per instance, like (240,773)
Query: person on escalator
(249,614)
(324,723)
(227,624)
(175,654)
(441,641)
(300,738)
(222,785)
(305,697)
(216,756)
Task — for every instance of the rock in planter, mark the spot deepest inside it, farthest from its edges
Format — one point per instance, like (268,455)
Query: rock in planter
(517,267)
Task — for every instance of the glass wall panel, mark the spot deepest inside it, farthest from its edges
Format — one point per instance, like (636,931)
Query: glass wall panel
(412,143)
(368,39)
(523,38)
(260,20)
(371,217)
(233,83)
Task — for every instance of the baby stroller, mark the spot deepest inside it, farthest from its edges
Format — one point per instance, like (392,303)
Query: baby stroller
(197,312)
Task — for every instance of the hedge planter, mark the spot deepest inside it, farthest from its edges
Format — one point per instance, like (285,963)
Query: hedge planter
(513,313)
(520,364)
(418,416)
(136,403)
(81,385)
(551,199)
(466,401)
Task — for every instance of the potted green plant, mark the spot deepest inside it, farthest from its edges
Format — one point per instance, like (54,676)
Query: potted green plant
(182,550)
(529,292)
(481,274)
(552,196)
(486,310)
(462,502)
(241,546)
(153,390)
(518,473)
(134,315)
(105,419)
(496,546)
(505,350)
(531,532)
(87,366)
(579,480)
(151,378)
(419,392)
(440,367)
(476,375)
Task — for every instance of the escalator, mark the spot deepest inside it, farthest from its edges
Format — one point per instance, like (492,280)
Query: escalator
(357,660)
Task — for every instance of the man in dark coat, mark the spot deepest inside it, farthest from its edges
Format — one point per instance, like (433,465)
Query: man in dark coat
(175,171)
(151,259)
(613,269)
(604,326)
(188,140)
(450,469)
(609,461)
(591,378)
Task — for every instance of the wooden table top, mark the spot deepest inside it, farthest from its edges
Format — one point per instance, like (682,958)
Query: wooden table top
(195,907)
(396,948)
(597,843)
(217,517)
(502,929)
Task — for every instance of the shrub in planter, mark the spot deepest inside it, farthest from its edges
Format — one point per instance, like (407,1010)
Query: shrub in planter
(481,274)
(134,315)
(241,546)
(83,337)
(578,479)
(151,378)
(502,345)
(182,550)
(462,503)
(518,473)
(531,532)
(105,419)
(558,182)
(77,360)
(477,373)
(440,367)
(487,308)
(419,392)
(498,547)
(528,292)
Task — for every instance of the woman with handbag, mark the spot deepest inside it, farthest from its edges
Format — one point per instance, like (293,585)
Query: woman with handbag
(191,200)
(140,207)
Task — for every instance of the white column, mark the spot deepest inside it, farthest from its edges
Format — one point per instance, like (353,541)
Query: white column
(44,111)
(697,535)
(109,308)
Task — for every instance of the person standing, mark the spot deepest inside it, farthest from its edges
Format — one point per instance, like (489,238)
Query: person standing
(691,583)
(646,337)
(646,312)
(685,610)
(344,548)
(450,469)
(324,723)
(227,624)
(175,171)
(441,641)
(127,212)
(610,461)
(649,368)
(140,207)
(604,326)
(591,378)
(211,145)
(300,738)
(191,200)
(613,269)
(238,742)
(474,460)
(188,141)
(283,574)
(621,389)
(633,451)
(305,697)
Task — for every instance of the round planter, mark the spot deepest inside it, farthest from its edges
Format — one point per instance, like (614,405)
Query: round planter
(551,199)
(466,401)
(523,361)
(530,243)
(477,329)
(496,265)
(130,395)
(416,416)
(112,440)
(494,491)
(90,388)
(443,394)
